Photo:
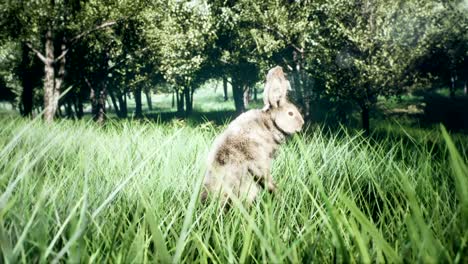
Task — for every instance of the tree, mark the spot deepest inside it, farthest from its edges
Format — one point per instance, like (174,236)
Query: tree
(29,72)
(93,72)
(182,40)
(9,81)
(50,29)
(446,58)
(339,50)
(133,67)
(235,55)
(269,33)
(367,48)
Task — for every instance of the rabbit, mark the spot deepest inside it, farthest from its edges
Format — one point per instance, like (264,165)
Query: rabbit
(239,162)
(276,88)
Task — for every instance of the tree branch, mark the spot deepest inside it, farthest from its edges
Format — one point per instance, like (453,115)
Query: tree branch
(63,54)
(125,59)
(281,35)
(88,83)
(38,53)
(287,64)
(82,34)
(87,32)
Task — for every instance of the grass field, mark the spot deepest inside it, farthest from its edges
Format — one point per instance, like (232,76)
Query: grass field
(128,193)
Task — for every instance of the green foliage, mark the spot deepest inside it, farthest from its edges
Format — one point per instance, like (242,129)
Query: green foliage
(339,52)
(27,20)
(77,192)
(10,87)
(446,59)
(181,36)
(376,42)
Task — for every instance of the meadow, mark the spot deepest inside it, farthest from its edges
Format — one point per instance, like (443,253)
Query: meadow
(127,192)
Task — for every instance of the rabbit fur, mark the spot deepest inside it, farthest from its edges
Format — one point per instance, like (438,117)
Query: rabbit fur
(240,159)
(276,88)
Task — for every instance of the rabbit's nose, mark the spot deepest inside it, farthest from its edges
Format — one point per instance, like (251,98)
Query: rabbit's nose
(301,121)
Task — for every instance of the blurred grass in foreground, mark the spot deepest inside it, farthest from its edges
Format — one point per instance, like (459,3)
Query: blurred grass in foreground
(127,192)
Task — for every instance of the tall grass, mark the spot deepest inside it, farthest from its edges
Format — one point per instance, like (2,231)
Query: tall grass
(128,193)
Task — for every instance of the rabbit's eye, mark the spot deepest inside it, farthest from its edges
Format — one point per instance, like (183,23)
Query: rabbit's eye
(290,113)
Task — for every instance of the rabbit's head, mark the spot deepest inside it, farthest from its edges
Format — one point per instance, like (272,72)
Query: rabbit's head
(287,118)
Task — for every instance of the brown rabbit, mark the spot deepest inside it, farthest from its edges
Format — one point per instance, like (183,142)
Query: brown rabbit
(240,159)
(276,88)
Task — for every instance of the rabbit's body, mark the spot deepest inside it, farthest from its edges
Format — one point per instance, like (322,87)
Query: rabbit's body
(240,159)
(276,88)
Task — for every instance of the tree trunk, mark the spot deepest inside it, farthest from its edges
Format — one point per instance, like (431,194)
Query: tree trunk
(188,101)
(173,99)
(110,106)
(52,82)
(58,112)
(93,99)
(138,105)
(75,105)
(180,103)
(114,103)
(78,104)
(365,119)
(191,99)
(101,109)
(298,86)
(246,95)
(50,102)
(225,88)
(27,92)
(148,100)
(98,103)
(452,86)
(68,108)
(465,89)
(123,105)
(297,78)
(307,94)
(80,112)
(255,94)
(60,77)
(237,94)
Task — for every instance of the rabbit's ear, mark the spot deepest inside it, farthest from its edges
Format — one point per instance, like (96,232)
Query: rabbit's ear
(288,119)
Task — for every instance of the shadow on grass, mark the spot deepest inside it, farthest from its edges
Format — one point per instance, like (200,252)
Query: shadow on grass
(430,110)
(452,112)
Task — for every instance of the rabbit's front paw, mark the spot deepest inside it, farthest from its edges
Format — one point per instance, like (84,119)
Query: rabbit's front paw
(272,187)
